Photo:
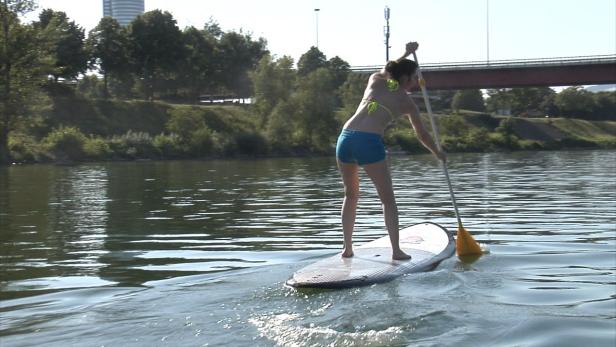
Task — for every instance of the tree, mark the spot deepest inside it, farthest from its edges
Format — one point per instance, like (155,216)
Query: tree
(156,47)
(198,71)
(311,61)
(315,98)
(605,105)
(273,83)
(469,99)
(522,101)
(66,44)
(350,94)
(239,54)
(548,105)
(575,102)
(107,44)
(22,66)
(340,69)
(212,29)
(529,100)
(499,100)
(442,99)
(91,86)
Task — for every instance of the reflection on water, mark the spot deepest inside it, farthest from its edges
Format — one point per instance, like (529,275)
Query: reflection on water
(188,252)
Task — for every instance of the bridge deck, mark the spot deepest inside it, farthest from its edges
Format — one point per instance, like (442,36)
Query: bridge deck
(517,73)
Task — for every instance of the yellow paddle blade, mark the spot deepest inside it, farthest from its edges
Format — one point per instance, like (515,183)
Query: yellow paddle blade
(466,244)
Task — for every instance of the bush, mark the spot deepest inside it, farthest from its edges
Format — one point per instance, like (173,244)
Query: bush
(505,126)
(23,149)
(134,145)
(531,145)
(606,142)
(406,140)
(452,144)
(477,140)
(251,143)
(504,141)
(169,146)
(224,144)
(453,126)
(201,142)
(571,142)
(66,143)
(97,148)
(183,121)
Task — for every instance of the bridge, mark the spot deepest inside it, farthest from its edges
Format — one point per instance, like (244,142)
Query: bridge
(550,72)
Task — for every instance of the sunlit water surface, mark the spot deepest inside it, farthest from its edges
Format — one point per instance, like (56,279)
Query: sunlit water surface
(196,254)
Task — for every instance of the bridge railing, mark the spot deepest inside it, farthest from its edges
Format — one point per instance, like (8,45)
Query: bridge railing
(500,64)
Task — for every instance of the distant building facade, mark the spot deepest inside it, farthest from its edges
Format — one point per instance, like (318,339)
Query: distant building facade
(124,11)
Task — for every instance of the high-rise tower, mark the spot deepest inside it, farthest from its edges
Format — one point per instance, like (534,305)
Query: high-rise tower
(124,11)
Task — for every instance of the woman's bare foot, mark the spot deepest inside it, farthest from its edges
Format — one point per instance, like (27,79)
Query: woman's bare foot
(347,253)
(400,255)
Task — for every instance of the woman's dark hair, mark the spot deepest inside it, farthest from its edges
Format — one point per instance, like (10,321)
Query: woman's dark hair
(397,69)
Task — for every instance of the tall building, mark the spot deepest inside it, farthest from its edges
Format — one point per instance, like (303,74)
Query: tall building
(124,11)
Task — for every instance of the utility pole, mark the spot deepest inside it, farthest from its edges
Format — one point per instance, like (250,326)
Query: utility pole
(386,30)
(488,31)
(316,13)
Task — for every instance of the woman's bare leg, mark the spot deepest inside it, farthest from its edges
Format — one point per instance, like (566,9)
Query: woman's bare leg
(379,173)
(350,179)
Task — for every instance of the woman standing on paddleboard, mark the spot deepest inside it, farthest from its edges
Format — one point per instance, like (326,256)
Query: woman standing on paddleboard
(361,144)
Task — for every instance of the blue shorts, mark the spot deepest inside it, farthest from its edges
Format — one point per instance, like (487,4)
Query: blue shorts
(359,147)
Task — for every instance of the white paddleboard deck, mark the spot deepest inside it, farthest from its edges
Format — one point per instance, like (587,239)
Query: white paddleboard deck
(427,243)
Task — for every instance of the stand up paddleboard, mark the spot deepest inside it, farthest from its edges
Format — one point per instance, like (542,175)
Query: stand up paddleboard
(427,243)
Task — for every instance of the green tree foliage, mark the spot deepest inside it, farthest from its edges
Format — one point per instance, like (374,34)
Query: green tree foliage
(17,7)
(350,93)
(575,102)
(530,100)
(90,86)
(273,82)
(198,72)
(499,100)
(156,47)
(522,101)
(298,108)
(239,54)
(315,98)
(605,105)
(453,125)
(107,44)
(212,28)
(22,67)
(440,99)
(65,40)
(280,126)
(340,70)
(66,143)
(468,99)
(311,61)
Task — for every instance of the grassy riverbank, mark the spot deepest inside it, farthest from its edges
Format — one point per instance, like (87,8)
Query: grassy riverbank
(480,132)
(80,129)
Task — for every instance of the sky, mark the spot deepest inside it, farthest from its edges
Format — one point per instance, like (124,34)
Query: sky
(447,30)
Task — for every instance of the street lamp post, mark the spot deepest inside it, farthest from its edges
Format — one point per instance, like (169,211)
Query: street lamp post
(387,12)
(316,13)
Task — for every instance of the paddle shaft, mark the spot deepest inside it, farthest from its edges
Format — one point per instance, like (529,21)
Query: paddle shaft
(424,92)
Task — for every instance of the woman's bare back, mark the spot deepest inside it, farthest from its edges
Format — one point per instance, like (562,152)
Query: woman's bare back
(378,107)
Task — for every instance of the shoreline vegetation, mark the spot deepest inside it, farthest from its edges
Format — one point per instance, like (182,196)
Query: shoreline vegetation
(118,94)
(87,130)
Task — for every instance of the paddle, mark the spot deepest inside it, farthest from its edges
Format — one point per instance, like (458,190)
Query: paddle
(465,243)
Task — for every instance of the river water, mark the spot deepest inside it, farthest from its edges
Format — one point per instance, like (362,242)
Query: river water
(195,253)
